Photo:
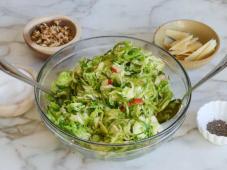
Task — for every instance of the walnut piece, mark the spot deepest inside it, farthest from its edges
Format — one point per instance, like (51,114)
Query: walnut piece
(52,35)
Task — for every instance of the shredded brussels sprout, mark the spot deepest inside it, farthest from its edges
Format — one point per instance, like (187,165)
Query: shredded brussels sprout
(111,98)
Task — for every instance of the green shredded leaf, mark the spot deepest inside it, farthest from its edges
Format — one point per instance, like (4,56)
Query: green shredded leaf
(112,98)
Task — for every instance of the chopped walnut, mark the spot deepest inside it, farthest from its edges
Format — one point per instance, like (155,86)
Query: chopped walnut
(52,36)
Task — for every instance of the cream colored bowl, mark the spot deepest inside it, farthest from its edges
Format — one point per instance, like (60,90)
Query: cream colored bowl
(198,29)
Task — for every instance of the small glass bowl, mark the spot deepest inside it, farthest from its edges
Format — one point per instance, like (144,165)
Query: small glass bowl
(67,57)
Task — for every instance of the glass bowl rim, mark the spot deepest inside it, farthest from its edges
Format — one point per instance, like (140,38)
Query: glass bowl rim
(55,127)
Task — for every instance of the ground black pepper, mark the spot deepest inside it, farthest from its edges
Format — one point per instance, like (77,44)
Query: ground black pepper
(217,127)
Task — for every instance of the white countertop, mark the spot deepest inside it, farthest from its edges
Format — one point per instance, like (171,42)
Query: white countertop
(25,144)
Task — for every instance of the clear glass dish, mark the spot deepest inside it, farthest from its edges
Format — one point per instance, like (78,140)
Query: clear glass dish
(67,57)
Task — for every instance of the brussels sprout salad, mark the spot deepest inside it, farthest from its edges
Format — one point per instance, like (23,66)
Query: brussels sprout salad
(117,97)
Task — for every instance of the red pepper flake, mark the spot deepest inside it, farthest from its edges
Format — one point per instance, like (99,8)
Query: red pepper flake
(130,104)
(138,101)
(110,82)
(135,101)
(114,70)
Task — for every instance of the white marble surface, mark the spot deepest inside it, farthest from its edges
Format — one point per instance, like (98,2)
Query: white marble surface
(25,144)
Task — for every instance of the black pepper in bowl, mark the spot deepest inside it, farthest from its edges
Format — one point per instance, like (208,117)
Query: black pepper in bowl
(217,127)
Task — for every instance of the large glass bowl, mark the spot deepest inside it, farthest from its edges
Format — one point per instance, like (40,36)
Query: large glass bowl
(66,58)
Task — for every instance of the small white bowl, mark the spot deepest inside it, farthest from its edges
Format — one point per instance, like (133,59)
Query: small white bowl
(214,110)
